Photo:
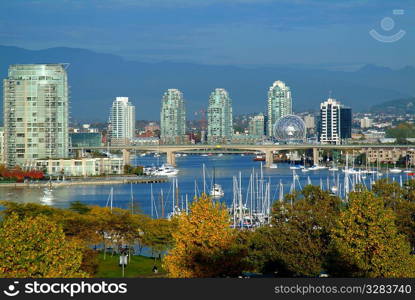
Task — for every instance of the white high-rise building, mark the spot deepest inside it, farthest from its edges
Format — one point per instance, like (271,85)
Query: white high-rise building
(279,104)
(122,121)
(335,122)
(36,109)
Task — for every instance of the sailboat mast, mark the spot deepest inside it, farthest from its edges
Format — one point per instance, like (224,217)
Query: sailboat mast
(204,179)
(162,203)
(177,192)
(132,198)
(112,197)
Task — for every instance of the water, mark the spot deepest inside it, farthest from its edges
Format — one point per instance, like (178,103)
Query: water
(223,167)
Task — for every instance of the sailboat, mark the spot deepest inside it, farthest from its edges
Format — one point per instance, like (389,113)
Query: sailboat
(395,170)
(304,168)
(273,166)
(333,168)
(216,191)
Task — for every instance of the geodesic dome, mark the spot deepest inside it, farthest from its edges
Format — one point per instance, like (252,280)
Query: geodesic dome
(290,129)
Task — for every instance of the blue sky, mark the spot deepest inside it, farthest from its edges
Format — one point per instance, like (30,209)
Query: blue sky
(329,33)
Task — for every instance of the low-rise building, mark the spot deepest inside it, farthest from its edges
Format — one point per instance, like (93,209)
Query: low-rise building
(146,141)
(78,167)
(389,155)
(366,123)
(387,140)
(246,139)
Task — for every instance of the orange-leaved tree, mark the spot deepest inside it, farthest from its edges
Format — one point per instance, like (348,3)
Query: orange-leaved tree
(204,243)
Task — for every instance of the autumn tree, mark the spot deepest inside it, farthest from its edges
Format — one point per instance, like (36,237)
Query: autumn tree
(36,247)
(402,201)
(204,243)
(366,241)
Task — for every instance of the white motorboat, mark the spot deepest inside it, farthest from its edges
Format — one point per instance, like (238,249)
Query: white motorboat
(273,166)
(217,191)
(305,169)
(408,171)
(166,170)
(295,167)
(333,169)
(149,170)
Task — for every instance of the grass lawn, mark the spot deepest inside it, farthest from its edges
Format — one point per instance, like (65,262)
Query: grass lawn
(139,266)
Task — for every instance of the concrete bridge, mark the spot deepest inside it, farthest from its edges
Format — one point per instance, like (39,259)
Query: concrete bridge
(268,150)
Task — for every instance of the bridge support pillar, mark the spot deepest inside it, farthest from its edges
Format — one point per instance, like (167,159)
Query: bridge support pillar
(126,157)
(269,158)
(171,158)
(316,155)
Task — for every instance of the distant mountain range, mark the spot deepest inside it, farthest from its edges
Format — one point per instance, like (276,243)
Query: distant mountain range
(399,107)
(96,78)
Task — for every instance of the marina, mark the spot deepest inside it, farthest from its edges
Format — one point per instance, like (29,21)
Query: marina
(245,186)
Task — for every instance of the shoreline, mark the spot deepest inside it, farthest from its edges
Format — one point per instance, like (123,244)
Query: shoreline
(54,184)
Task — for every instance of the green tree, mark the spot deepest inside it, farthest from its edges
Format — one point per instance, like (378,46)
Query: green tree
(366,242)
(115,227)
(298,242)
(158,235)
(401,132)
(36,247)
